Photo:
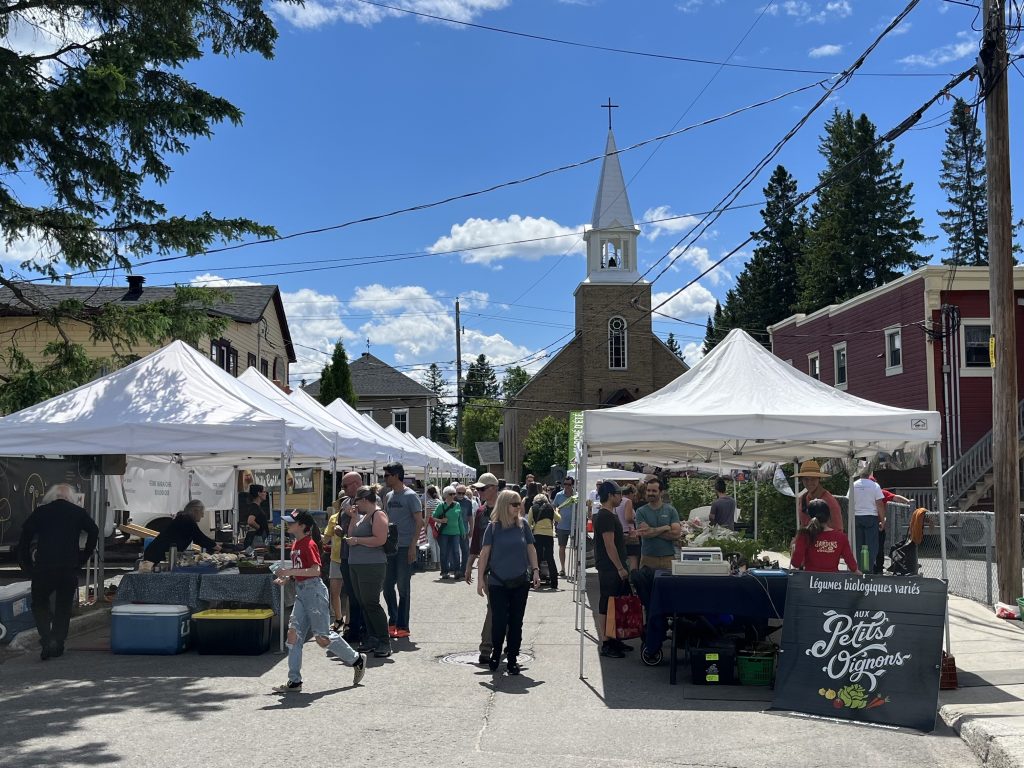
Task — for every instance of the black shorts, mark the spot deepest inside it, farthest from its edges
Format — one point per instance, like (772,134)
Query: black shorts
(633,550)
(610,584)
(563,537)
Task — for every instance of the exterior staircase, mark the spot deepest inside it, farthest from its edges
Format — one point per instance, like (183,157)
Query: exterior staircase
(969,479)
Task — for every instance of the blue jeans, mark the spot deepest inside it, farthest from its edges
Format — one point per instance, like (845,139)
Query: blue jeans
(312,611)
(867,533)
(464,551)
(398,577)
(451,553)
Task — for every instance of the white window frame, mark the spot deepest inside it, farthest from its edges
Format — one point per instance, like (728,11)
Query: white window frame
(972,371)
(367,411)
(836,349)
(816,358)
(890,369)
(403,412)
(625,344)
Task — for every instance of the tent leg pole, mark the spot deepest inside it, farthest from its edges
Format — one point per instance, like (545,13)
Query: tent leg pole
(281,619)
(940,495)
(796,491)
(757,469)
(334,479)
(851,511)
(581,541)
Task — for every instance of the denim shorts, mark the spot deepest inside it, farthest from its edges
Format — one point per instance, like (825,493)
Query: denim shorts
(335,571)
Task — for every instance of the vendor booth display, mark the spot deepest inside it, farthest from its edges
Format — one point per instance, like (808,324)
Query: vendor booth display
(740,403)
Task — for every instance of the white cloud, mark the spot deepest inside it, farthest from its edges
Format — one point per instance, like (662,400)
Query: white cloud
(546,238)
(499,350)
(659,228)
(700,259)
(314,13)
(825,50)
(693,353)
(41,32)
(28,246)
(796,8)
(800,9)
(210,280)
(696,302)
(965,46)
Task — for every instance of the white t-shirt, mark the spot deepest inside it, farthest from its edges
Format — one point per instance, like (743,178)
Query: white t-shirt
(865,493)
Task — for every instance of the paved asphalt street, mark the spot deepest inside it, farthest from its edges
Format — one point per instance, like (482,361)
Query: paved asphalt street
(91,708)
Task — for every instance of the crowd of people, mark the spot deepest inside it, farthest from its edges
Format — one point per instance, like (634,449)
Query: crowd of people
(361,601)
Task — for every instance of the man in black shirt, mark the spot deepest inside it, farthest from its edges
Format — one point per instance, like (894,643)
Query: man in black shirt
(56,527)
(610,559)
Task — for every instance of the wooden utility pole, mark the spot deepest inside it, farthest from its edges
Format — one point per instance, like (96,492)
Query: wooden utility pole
(1005,438)
(458,379)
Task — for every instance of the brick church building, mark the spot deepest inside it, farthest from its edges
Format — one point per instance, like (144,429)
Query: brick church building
(614,357)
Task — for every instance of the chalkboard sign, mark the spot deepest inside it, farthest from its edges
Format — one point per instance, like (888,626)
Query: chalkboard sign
(864,648)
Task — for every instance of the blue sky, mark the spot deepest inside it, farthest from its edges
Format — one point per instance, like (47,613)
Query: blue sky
(366,110)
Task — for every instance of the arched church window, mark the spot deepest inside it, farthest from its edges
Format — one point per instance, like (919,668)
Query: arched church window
(618,343)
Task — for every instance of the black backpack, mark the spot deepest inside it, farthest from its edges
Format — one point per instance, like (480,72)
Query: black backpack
(390,546)
(543,510)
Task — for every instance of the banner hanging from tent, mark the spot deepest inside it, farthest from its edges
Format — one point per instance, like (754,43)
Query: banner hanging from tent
(865,648)
(575,440)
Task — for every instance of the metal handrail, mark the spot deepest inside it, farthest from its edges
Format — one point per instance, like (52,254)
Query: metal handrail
(973,464)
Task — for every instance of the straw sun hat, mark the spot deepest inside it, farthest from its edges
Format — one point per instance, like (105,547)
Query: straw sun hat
(811,468)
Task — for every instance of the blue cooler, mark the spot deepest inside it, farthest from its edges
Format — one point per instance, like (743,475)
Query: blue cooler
(15,610)
(156,629)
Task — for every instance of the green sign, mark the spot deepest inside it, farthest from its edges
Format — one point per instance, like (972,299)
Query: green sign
(575,437)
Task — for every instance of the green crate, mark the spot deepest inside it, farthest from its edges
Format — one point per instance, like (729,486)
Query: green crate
(1020,608)
(756,669)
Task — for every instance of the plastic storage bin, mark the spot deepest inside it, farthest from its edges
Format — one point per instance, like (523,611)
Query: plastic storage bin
(756,668)
(15,610)
(155,629)
(713,666)
(243,631)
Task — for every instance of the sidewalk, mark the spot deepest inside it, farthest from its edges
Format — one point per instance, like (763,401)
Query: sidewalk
(988,708)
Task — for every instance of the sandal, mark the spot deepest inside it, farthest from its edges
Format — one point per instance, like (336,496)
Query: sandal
(337,626)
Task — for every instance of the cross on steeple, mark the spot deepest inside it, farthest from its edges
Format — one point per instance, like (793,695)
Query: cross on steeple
(609,106)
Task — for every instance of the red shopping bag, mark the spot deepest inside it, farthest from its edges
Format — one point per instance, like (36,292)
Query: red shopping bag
(625,617)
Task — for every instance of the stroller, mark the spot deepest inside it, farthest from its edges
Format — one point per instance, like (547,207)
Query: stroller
(903,556)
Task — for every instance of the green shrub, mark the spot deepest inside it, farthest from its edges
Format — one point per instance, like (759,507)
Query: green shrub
(687,493)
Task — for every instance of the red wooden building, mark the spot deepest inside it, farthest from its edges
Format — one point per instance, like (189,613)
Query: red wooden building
(918,342)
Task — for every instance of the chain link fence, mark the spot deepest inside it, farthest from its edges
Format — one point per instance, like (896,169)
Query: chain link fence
(970,550)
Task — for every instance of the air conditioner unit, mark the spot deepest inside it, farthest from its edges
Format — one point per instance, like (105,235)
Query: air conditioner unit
(976,529)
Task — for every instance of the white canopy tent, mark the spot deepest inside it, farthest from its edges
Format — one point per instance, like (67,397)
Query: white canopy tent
(603,472)
(448,462)
(398,449)
(742,404)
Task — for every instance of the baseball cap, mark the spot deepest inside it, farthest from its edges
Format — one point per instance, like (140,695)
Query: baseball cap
(608,487)
(485,479)
(298,516)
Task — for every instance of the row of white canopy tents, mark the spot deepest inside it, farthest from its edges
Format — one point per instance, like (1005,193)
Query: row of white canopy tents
(177,404)
(741,403)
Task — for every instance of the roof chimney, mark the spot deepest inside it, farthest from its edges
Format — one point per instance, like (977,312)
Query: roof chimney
(135,286)
(67,279)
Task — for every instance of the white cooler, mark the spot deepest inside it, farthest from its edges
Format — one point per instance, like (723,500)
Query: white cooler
(15,610)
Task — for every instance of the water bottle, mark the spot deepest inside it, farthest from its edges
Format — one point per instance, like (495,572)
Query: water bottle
(865,556)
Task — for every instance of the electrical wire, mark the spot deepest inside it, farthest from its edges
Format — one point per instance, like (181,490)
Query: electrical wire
(633,52)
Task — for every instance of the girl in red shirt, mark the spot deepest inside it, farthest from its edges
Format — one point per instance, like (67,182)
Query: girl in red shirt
(818,546)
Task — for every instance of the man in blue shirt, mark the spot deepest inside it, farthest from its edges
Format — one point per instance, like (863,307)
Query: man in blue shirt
(564,527)
(659,528)
(405,511)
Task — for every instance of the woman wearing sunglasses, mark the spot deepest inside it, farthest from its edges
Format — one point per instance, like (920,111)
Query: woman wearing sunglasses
(505,572)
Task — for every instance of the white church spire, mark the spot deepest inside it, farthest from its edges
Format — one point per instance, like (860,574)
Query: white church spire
(611,208)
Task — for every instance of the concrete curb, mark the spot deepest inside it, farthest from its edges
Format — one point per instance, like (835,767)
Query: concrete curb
(998,743)
(28,640)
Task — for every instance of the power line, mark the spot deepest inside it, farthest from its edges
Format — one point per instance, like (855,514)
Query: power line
(633,52)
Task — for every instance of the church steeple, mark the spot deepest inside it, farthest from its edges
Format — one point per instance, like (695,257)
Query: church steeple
(612,239)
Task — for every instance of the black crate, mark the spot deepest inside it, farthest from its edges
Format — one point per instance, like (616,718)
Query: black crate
(713,666)
(233,631)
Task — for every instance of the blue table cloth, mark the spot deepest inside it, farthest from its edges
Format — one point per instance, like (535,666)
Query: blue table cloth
(160,589)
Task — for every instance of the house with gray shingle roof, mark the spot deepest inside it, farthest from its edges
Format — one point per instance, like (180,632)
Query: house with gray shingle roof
(257,334)
(388,395)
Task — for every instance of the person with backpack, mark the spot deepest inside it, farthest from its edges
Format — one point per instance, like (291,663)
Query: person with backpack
(451,527)
(368,537)
(506,569)
(542,519)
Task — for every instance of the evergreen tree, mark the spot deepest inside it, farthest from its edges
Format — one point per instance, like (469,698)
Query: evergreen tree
(862,229)
(336,379)
(711,334)
(95,106)
(441,413)
(514,380)
(766,289)
(481,381)
(673,345)
(965,181)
